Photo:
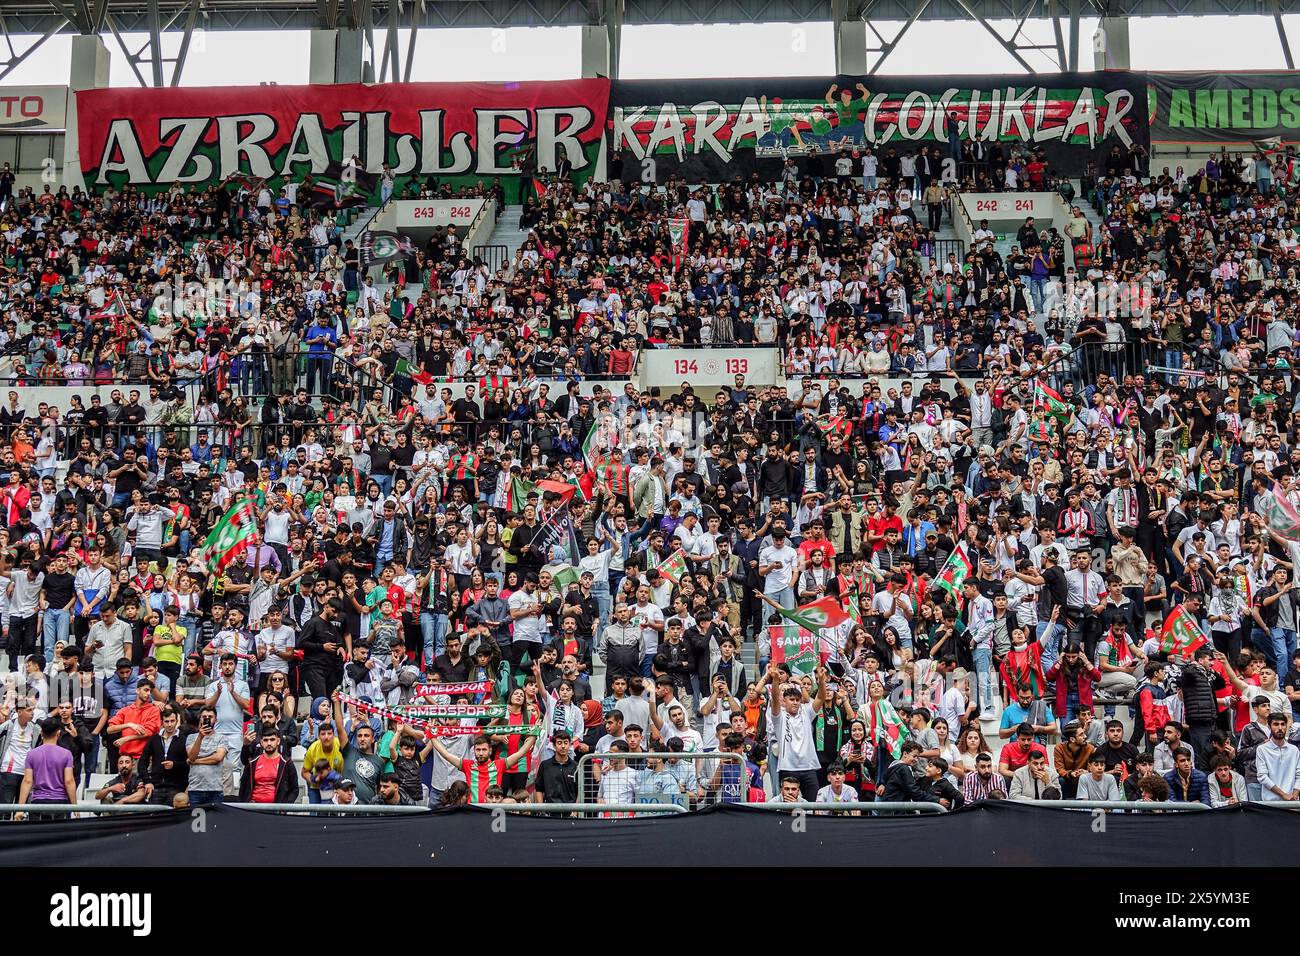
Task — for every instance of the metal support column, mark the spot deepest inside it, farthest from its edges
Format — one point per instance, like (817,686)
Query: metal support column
(850,33)
(1074,36)
(1281,35)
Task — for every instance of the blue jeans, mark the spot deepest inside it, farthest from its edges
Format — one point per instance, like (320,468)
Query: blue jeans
(1052,646)
(1254,792)
(433,629)
(1038,291)
(313,795)
(206,798)
(600,591)
(56,628)
(983,657)
(385,483)
(645,664)
(784,597)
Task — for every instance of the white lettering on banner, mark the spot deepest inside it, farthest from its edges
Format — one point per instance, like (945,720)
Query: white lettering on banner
(708,367)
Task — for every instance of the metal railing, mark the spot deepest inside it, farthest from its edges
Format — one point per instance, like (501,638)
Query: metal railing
(696,758)
(946,247)
(866,807)
(493,255)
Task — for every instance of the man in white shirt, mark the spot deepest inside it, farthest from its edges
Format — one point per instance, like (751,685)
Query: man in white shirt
(275,645)
(790,729)
(776,565)
(1277,763)
(526,612)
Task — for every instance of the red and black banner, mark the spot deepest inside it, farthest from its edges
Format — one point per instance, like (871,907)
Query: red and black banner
(456,133)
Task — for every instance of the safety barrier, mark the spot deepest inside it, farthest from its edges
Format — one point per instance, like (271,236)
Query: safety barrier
(585,759)
(865,807)
(336,809)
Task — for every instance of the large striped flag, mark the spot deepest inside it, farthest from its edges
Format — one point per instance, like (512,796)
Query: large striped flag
(954,573)
(233,533)
(834,425)
(886,727)
(1281,516)
(564,489)
(794,647)
(673,566)
(1049,401)
(517,493)
(1181,634)
(823,612)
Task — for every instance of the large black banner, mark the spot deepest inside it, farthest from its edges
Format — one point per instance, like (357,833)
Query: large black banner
(712,130)
(994,833)
(1229,108)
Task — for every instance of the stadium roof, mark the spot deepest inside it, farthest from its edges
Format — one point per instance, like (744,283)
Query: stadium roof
(142,16)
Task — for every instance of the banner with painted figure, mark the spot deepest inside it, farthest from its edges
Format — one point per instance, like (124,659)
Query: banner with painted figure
(715,129)
(455,133)
(1230,108)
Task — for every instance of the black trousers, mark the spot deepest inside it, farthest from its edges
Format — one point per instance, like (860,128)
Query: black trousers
(22,639)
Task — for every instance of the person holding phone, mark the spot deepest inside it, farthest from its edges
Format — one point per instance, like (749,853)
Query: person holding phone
(206,753)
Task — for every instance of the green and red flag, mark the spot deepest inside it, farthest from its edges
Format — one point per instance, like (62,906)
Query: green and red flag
(517,493)
(1279,514)
(824,612)
(794,647)
(673,566)
(954,573)
(114,309)
(562,488)
(413,372)
(1048,400)
(1181,634)
(834,425)
(886,728)
(232,535)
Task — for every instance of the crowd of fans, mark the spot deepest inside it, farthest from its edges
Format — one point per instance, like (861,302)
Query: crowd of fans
(407,536)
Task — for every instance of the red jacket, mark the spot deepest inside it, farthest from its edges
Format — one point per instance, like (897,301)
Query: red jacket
(1092,674)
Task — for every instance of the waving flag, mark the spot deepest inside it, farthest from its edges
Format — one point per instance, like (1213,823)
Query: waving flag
(114,308)
(517,493)
(834,425)
(1049,402)
(673,566)
(413,372)
(955,571)
(557,540)
(233,534)
(377,247)
(886,727)
(565,490)
(1281,516)
(794,647)
(1181,634)
(824,612)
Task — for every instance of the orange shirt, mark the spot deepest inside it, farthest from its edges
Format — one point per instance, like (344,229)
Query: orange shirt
(147,716)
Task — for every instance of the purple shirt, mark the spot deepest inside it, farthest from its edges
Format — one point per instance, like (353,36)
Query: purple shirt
(47,763)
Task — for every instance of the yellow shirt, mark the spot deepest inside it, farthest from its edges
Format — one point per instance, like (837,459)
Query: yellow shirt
(169,653)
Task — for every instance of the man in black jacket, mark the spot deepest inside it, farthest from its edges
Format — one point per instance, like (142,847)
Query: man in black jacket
(1199,682)
(901,785)
(321,642)
(164,767)
(263,760)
